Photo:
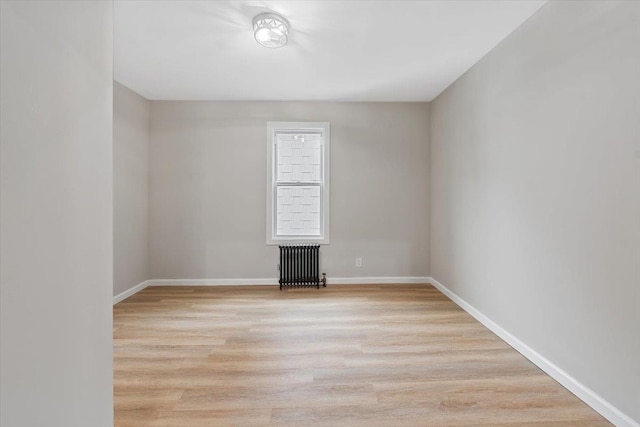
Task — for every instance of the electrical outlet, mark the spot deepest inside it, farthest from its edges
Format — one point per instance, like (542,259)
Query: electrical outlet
(358,262)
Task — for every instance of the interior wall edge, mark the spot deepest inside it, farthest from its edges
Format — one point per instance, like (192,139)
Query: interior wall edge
(131,119)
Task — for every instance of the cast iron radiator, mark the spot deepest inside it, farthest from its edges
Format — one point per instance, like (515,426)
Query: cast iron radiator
(300,266)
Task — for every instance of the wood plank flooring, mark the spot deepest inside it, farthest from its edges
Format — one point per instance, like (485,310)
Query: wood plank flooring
(385,355)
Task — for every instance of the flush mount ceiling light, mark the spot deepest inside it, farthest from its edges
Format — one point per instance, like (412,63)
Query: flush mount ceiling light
(271,30)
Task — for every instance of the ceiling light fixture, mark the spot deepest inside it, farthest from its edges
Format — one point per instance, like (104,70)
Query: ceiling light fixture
(271,30)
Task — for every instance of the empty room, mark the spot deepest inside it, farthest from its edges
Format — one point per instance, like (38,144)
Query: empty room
(320,213)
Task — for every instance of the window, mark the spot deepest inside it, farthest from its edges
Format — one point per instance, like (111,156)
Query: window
(298,182)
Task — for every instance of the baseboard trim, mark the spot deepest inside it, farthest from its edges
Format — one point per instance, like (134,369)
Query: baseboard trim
(388,280)
(133,290)
(274,281)
(265,282)
(212,282)
(603,407)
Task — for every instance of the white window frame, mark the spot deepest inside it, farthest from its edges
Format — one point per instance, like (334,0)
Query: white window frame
(293,127)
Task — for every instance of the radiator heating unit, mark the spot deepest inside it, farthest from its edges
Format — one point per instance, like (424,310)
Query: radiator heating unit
(300,267)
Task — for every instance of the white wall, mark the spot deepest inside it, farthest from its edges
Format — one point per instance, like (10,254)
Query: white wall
(56,214)
(208,194)
(130,188)
(535,183)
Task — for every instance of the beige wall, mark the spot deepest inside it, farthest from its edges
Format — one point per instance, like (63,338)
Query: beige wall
(130,188)
(56,214)
(535,183)
(208,196)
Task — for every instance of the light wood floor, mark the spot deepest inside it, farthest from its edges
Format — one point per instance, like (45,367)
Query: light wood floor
(397,355)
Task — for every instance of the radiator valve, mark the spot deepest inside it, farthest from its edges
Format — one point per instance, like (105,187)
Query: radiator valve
(324,280)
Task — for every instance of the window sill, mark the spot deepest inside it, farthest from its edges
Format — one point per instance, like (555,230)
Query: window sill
(277,242)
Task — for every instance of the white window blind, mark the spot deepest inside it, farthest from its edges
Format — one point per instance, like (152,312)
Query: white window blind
(298,190)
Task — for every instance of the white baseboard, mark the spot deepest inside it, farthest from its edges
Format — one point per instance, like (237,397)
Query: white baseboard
(274,281)
(377,280)
(606,409)
(268,282)
(133,290)
(211,282)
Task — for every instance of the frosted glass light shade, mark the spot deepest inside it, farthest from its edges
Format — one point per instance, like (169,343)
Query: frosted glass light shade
(271,30)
